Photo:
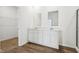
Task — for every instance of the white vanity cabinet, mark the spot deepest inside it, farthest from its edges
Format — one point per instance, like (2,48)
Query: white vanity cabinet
(44,37)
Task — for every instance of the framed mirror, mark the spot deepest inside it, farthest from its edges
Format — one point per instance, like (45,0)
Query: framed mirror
(53,18)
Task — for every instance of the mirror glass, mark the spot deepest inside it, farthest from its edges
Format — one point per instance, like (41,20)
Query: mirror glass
(53,18)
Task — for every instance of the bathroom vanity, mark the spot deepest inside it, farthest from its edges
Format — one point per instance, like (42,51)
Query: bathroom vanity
(44,37)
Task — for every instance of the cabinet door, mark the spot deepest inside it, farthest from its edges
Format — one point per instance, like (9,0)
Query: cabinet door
(45,38)
(53,39)
(35,34)
(31,36)
(40,36)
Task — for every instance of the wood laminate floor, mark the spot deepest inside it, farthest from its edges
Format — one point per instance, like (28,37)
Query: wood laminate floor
(9,44)
(33,48)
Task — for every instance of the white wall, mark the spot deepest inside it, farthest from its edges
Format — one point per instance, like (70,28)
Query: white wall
(8,23)
(69,26)
(25,21)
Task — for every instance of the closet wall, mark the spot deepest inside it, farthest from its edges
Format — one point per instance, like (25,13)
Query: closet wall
(8,22)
